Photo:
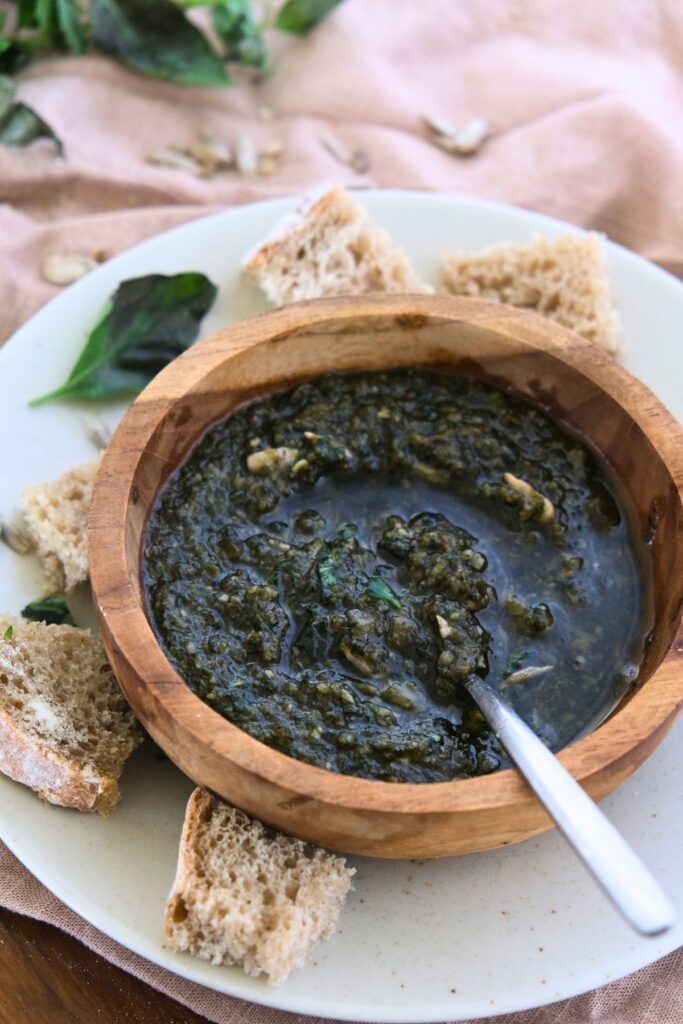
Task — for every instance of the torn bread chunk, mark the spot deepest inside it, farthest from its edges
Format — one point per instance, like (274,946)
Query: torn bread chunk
(66,730)
(565,279)
(246,895)
(330,248)
(56,518)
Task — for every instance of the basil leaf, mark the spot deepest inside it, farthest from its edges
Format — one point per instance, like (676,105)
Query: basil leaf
(20,125)
(147,323)
(27,13)
(9,633)
(70,34)
(53,610)
(155,37)
(59,24)
(378,590)
(299,16)
(234,23)
(7,91)
(14,55)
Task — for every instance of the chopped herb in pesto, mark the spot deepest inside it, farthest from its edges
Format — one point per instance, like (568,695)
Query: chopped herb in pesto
(332,563)
(378,590)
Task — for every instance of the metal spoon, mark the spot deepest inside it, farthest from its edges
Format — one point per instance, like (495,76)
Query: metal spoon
(606,854)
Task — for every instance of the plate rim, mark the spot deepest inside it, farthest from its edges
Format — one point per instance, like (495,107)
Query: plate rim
(103,920)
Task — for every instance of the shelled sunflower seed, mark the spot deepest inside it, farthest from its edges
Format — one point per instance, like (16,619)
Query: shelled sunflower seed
(465,141)
(65,268)
(96,430)
(274,148)
(523,675)
(170,156)
(207,155)
(14,535)
(357,159)
(246,156)
(211,153)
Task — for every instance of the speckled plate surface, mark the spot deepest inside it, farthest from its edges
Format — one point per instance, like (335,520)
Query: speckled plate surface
(428,941)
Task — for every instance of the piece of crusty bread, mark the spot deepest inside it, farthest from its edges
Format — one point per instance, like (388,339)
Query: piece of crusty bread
(56,517)
(331,249)
(565,279)
(246,895)
(65,727)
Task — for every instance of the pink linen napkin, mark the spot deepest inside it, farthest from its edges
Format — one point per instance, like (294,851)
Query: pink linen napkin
(585,103)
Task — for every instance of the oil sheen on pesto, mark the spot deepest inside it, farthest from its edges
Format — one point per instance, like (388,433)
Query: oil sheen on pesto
(331,563)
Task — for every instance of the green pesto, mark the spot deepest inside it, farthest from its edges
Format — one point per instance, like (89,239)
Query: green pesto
(332,563)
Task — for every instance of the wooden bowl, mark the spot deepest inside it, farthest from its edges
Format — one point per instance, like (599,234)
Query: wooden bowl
(551,367)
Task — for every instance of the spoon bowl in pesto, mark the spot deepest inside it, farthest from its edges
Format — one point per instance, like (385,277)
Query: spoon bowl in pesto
(313,529)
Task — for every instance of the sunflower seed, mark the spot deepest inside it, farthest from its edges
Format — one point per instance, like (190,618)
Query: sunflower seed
(527,491)
(524,674)
(445,629)
(246,157)
(96,430)
(171,156)
(211,154)
(470,138)
(65,268)
(439,126)
(336,149)
(273,148)
(266,167)
(15,536)
(360,161)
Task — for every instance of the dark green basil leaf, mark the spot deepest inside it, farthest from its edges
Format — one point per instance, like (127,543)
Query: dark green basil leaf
(53,610)
(7,91)
(299,16)
(234,23)
(378,590)
(14,55)
(58,23)
(70,30)
(29,13)
(155,37)
(147,323)
(20,125)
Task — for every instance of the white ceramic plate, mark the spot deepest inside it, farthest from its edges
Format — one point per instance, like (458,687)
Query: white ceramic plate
(428,941)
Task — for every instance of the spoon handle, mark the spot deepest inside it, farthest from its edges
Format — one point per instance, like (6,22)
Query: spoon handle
(620,872)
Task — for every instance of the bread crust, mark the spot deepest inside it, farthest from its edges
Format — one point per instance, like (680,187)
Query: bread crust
(311,210)
(243,894)
(53,776)
(329,247)
(198,804)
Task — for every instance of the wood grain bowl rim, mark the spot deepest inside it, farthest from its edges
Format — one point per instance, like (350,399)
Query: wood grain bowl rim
(130,639)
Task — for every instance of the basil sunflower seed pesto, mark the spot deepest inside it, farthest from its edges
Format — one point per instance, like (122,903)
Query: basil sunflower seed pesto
(331,563)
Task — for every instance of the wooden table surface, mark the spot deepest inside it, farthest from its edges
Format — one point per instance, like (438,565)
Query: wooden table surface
(47,977)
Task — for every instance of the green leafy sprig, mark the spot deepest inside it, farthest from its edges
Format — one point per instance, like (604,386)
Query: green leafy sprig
(53,610)
(155,37)
(19,124)
(147,322)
